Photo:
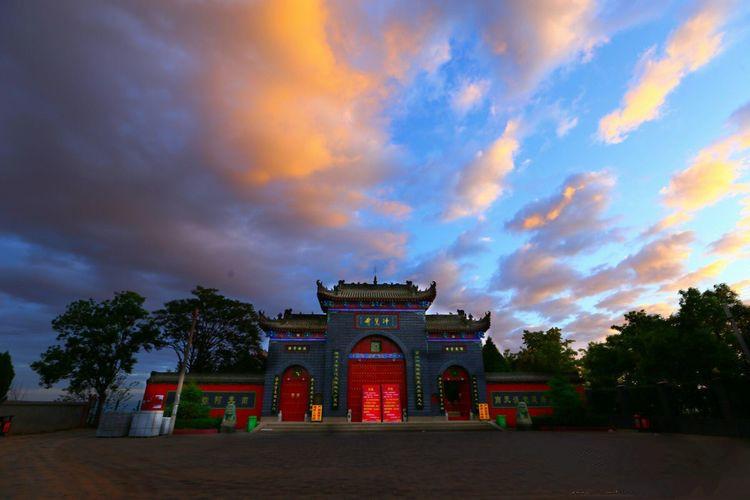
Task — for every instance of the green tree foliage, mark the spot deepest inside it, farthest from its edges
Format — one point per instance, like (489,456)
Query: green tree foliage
(690,349)
(98,343)
(6,375)
(567,404)
(493,360)
(546,352)
(191,403)
(227,338)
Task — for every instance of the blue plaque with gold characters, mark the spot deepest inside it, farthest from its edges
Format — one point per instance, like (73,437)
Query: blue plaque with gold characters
(377,321)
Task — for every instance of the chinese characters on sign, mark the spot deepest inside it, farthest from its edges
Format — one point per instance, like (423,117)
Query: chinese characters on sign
(219,400)
(391,403)
(371,403)
(379,321)
(317,413)
(512,398)
(335,381)
(418,395)
(484,411)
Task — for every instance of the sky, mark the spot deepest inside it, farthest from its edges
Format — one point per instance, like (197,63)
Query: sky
(555,162)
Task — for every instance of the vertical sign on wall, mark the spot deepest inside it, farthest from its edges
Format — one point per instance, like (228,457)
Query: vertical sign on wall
(275,395)
(441,393)
(371,403)
(418,395)
(335,382)
(391,403)
(312,393)
(474,392)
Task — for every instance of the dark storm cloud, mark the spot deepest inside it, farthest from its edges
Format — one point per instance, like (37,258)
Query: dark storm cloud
(111,176)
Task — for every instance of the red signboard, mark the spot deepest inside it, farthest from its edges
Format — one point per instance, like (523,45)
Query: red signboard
(391,403)
(371,403)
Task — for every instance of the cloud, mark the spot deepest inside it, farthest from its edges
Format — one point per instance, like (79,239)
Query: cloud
(473,241)
(573,219)
(534,276)
(620,301)
(469,95)
(668,222)
(711,176)
(534,38)
(732,243)
(661,259)
(565,125)
(482,181)
(226,144)
(697,277)
(689,48)
(657,261)
(663,308)
(590,327)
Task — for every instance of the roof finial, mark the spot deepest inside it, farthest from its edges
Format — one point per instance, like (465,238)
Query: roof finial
(375,275)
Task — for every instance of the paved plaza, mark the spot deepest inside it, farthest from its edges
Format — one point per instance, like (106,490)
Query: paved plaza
(409,464)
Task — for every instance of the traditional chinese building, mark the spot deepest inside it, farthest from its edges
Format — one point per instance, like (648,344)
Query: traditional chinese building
(375,351)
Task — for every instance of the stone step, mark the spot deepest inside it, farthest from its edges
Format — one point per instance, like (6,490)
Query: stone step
(472,425)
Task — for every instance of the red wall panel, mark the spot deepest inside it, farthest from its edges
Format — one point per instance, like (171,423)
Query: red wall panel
(155,397)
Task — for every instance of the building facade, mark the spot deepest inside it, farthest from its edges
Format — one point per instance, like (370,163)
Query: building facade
(374,353)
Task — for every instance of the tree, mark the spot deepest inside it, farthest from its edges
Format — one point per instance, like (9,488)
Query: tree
(6,375)
(567,404)
(546,352)
(706,312)
(99,343)
(493,360)
(226,339)
(121,393)
(690,350)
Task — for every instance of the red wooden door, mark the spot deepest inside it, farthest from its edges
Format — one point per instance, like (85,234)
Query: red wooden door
(295,394)
(374,360)
(457,390)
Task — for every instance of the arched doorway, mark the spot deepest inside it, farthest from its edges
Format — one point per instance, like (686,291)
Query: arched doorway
(457,391)
(295,394)
(377,364)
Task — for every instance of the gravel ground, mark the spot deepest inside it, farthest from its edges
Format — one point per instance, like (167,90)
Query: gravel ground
(419,464)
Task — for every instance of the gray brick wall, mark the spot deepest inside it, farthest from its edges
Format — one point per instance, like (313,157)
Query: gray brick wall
(343,335)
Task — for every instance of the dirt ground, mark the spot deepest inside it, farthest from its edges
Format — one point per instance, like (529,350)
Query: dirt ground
(418,464)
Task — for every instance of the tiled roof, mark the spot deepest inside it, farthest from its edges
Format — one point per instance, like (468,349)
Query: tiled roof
(459,322)
(207,378)
(376,291)
(526,377)
(293,321)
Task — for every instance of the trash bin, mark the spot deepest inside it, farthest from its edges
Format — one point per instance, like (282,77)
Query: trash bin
(5,421)
(500,419)
(252,421)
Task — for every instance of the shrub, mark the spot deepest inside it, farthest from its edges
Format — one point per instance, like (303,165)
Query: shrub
(566,403)
(198,423)
(191,404)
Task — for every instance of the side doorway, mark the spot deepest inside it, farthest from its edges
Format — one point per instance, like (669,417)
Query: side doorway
(457,391)
(295,394)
